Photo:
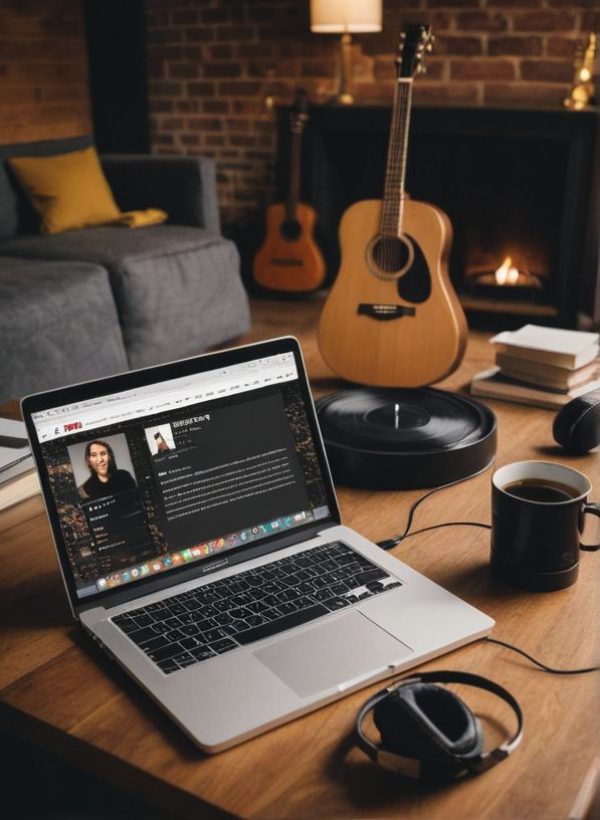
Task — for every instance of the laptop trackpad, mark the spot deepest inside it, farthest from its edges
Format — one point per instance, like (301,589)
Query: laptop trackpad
(331,654)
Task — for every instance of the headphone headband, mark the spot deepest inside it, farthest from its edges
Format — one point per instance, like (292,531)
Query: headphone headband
(410,766)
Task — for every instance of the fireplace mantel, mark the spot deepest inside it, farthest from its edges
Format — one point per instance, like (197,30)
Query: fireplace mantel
(456,156)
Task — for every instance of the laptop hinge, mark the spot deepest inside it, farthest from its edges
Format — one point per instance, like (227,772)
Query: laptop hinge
(195,572)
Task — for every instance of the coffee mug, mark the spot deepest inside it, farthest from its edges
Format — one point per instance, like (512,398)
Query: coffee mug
(538,511)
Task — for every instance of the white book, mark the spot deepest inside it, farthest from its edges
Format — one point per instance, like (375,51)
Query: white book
(565,348)
(492,384)
(13,456)
(19,488)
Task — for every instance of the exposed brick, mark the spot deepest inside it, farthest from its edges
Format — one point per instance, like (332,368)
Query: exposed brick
(220,52)
(492,52)
(166,53)
(216,106)
(464,4)
(165,89)
(550,71)
(189,139)
(187,106)
(240,88)
(517,4)
(164,36)
(527,46)
(466,46)
(183,71)
(205,124)
(481,21)
(234,33)
(523,94)
(212,16)
(442,93)
(203,34)
(561,47)
(544,20)
(186,17)
(222,70)
(200,89)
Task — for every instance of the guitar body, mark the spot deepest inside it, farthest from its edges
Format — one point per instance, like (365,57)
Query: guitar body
(371,334)
(289,259)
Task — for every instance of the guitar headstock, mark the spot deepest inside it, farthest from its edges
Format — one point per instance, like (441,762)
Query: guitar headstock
(415,40)
(299,113)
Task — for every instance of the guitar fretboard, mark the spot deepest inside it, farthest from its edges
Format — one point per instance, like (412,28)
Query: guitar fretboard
(393,196)
(294,191)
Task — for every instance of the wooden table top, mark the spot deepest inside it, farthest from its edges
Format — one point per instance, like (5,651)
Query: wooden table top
(59,690)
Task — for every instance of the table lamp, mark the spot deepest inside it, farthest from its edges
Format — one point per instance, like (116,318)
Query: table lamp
(345,17)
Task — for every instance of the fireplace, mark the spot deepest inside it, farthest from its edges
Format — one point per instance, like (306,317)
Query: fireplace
(516,184)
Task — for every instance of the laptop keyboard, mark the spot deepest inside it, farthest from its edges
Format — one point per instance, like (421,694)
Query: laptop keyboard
(215,618)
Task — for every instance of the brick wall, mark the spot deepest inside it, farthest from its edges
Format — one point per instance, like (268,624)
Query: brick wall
(213,63)
(43,70)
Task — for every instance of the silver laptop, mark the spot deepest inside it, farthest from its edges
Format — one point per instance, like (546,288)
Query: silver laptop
(201,546)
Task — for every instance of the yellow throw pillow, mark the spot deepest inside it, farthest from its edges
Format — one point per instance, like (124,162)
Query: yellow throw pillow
(67,190)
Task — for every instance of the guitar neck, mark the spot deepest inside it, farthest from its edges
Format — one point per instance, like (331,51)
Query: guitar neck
(393,196)
(294,189)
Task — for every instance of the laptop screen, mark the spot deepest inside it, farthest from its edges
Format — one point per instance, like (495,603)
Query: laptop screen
(150,479)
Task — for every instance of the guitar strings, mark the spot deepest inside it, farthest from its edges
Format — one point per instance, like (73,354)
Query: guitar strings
(393,204)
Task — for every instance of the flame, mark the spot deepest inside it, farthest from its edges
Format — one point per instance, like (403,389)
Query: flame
(506,273)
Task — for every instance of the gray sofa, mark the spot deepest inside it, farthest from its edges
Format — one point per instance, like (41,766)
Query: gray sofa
(92,302)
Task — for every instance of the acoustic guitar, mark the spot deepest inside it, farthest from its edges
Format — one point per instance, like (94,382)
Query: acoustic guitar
(392,318)
(289,259)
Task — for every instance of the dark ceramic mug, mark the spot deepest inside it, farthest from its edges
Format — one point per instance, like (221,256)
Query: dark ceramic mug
(538,513)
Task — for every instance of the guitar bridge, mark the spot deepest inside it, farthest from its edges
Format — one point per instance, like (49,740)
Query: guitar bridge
(385,312)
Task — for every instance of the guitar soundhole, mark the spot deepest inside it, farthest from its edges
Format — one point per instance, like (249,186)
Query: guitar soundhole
(291,230)
(390,256)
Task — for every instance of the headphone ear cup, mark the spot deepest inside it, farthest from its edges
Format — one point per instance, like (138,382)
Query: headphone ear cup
(429,723)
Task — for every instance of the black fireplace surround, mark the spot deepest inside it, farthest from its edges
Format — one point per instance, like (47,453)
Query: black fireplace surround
(515,182)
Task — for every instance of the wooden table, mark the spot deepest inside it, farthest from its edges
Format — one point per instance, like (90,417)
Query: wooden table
(59,691)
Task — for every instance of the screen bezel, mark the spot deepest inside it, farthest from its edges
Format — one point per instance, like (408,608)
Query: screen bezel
(160,373)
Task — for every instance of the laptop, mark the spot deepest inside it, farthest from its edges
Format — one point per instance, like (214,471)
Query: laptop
(200,543)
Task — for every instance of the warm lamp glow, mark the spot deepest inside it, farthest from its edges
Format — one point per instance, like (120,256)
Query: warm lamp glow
(345,16)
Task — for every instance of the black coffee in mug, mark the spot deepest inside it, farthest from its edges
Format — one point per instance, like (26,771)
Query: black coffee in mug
(542,490)
(538,510)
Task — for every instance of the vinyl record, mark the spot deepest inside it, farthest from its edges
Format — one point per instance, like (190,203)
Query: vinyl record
(405,439)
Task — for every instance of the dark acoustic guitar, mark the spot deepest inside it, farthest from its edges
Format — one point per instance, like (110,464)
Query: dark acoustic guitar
(392,318)
(289,259)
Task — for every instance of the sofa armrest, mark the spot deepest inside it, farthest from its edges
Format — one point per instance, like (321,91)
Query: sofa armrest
(184,187)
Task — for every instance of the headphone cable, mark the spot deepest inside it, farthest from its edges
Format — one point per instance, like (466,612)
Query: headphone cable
(543,666)
(390,543)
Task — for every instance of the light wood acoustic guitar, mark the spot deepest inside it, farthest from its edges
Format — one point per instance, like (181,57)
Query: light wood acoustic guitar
(392,318)
(289,258)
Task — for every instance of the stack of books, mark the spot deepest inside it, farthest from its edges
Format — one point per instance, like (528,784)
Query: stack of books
(18,476)
(543,366)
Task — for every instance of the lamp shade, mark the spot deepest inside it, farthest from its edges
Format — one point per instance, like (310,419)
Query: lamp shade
(339,16)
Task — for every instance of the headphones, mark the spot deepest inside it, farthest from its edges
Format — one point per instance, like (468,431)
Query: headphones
(428,732)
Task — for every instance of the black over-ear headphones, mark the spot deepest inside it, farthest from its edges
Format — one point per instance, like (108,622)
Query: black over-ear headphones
(428,732)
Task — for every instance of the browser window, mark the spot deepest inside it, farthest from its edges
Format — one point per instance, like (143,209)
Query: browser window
(160,476)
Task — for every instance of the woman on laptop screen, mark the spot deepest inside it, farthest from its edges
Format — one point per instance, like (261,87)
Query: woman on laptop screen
(105,478)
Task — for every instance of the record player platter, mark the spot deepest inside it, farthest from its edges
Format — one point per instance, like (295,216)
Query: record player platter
(395,439)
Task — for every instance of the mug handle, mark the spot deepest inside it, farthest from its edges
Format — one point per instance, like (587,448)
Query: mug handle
(594,509)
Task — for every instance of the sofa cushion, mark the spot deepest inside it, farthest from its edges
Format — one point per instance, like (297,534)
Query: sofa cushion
(68,191)
(16,212)
(58,325)
(177,289)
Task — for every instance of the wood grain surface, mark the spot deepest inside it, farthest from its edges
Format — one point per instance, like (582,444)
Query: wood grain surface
(58,690)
